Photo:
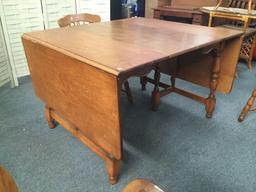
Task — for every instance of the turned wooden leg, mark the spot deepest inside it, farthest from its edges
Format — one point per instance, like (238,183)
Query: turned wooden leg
(211,100)
(249,64)
(128,91)
(143,82)
(248,106)
(173,81)
(50,120)
(155,94)
(113,169)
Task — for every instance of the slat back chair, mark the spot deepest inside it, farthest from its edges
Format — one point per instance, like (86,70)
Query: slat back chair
(78,19)
(248,45)
(243,4)
(240,22)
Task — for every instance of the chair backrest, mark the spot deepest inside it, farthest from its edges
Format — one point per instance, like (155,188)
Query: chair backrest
(141,185)
(243,4)
(7,184)
(78,19)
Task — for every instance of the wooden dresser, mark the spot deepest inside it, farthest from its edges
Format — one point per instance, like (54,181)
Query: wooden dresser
(183,11)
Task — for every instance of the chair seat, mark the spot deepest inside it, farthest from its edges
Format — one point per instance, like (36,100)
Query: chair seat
(141,185)
(249,31)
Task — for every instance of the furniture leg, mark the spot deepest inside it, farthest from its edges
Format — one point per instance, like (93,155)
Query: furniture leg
(173,81)
(143,82)
(50,120)
(210,20)
(249,64)
(128,91)
(156,94)
(113,169)
(211,100)
(248,106)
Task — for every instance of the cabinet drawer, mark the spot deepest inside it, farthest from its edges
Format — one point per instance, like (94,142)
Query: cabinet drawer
(156,14)
(197,19)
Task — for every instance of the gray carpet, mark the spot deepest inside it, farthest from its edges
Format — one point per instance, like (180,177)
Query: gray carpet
(176,147)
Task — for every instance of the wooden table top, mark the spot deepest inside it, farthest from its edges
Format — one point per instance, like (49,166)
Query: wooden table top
(126,45)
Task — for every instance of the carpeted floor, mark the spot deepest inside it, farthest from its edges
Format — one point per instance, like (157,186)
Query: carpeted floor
(176,147)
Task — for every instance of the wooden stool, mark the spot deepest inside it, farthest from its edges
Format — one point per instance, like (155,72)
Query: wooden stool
(7,183)
(248,106)
(141,185)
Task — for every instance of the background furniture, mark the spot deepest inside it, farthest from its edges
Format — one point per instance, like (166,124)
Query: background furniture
(78,19)
(7,184)
(184,15)
(248,107)
(183,11)
(238,14)
(141,185)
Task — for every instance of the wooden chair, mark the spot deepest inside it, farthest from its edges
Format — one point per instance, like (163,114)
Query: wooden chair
(141,185)
(249,41)
(78,19)
(7,184)
(86,18)
(240,22)
(248,107)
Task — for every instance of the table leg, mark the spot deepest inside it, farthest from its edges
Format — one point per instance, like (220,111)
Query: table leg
(248,106)
(113,169)
(51,123)
(173,80)
(128,91)
(156,93)
(211,100)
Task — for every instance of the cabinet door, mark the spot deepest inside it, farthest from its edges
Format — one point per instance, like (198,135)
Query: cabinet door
(5,75)
(99,7)
(55,9)
(18,17)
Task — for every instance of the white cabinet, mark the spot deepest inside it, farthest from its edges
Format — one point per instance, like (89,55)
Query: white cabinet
(20,16)
(5,73)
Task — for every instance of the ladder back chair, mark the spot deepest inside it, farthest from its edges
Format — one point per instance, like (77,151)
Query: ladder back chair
(78,19)
(86,18)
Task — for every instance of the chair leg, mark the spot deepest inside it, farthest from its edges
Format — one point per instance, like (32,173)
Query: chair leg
(143,82)
(249,64)
(51,122)
(155,98)
(248,106)
(128,91)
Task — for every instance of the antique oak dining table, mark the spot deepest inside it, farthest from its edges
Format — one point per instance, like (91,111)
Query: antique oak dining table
(78,72)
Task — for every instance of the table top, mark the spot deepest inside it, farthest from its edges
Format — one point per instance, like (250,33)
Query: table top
(128,44)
